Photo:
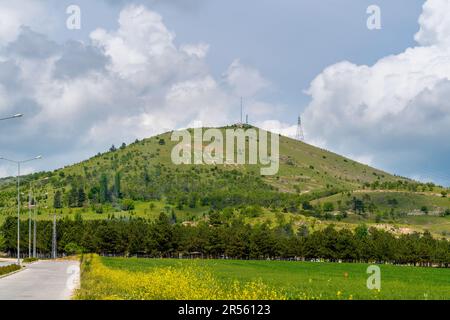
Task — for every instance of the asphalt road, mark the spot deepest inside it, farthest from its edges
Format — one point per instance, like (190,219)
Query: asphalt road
(43,280)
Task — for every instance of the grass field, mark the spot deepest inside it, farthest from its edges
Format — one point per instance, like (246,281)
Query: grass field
(301,280)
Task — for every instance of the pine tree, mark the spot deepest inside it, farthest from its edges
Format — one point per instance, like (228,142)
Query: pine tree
(57,203)
(117,191)
(81,197)
(104,194)
(73,197)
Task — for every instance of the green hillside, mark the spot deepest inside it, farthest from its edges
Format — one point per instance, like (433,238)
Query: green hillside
(141,180)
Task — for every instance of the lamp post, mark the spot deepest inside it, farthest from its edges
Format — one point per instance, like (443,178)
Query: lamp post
(19,163)
(19,115)
(32,183)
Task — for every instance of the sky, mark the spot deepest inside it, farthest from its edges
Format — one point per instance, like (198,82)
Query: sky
(138,68)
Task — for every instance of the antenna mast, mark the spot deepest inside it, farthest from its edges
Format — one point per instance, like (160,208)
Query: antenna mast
(300,136)
(241,109)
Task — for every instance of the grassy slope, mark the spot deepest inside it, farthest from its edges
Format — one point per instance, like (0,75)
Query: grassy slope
(304,169)
(314,280)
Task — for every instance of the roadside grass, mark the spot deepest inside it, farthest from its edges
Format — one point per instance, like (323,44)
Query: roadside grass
(306,280)
(8,269)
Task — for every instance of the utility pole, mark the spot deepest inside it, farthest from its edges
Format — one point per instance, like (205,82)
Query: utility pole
(34,232)
(18,163)
(54,237)
(35,207)
(29,223)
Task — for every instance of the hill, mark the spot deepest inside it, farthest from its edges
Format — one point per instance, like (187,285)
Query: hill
(140,179)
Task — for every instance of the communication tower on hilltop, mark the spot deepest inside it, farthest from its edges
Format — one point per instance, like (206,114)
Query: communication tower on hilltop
(299,135)
(242,109)
(241,121)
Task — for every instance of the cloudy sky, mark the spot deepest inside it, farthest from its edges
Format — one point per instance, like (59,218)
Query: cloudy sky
(137,68)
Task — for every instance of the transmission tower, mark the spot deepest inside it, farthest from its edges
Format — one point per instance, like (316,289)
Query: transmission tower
(299,135)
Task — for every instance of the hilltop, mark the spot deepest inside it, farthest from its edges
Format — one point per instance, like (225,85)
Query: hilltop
(141,179)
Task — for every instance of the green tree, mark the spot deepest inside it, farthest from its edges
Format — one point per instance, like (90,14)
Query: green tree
(328,207)
(2,243)
(57,201)
(73,197)
(117,189)
(81,197)
(104,193)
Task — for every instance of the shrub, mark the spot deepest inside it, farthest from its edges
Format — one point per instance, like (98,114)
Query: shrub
(73,248)
(127,205)
(328,207)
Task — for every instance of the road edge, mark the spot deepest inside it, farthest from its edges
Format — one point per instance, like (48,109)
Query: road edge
(14,272)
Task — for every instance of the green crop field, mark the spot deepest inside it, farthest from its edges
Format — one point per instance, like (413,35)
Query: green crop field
(308,280)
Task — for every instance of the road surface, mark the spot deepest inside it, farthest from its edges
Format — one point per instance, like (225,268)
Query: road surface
(43,280)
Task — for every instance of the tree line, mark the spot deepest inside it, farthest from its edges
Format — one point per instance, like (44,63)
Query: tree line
(219,238)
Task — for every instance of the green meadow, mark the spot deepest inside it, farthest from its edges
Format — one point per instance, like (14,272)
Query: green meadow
(310,280)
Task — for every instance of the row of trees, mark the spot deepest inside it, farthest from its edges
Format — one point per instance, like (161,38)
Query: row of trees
(233,238)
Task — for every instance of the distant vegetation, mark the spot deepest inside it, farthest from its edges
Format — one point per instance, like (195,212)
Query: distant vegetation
(139,181)
(232,238)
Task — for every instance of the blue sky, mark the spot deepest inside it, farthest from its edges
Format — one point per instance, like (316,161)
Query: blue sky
(290,42)
(137,68)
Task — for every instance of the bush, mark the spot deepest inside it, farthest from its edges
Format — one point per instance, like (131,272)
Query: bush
(73,248)
(252,211)
(328,207)
(29,260)
(98,208)
(127,205)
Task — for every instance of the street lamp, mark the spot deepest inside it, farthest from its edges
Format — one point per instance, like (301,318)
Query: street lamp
(18,199)
(31,196)
(19,115)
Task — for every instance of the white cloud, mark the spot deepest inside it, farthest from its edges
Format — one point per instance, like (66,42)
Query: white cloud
(132,82)
(197,50)
(17,13)
(395,111)
(434,23)
(277,126)
(245,81)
